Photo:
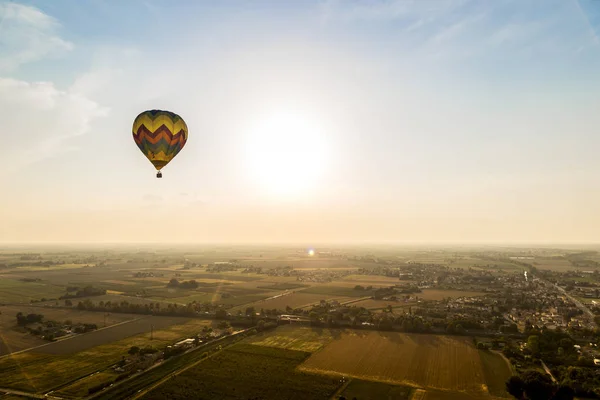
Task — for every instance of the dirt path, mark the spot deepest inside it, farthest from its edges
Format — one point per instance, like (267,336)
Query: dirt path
(548,371)
(508,364)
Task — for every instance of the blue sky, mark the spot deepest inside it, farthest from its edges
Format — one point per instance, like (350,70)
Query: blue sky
(411,120)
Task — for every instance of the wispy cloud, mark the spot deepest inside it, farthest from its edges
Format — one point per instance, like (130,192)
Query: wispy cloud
(379,10)
(27,35)
(39,120)
(466,28)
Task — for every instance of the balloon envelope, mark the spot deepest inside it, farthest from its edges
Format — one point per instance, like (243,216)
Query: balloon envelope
(160,135)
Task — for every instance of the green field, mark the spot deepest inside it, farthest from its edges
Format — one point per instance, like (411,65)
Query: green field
(15,291)
(295,338)
(80,388)
(246,371)
(496,373)
(366,390)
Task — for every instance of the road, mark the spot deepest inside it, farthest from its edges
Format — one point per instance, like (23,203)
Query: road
(579,304)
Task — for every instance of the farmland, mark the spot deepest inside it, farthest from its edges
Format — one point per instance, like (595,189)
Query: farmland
(496,372)
(294,300)
(16,338)
(366,390)
(429,361)
(331,290)
(371,304)
(246,371)
(37,371)
(80,387)
(554,264)
(386,353)
(108,335)
(295,338)
(14,291)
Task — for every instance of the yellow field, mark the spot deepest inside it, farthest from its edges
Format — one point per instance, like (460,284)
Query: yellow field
(430,361)
(54,267)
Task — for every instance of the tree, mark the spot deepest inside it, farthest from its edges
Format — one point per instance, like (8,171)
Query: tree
(134,350)
(250,311)
(538,386)
(459,329)
(68,303)
(566,344)
(173,283)
(516,387)
(221,314)
(564,393)
(533,343)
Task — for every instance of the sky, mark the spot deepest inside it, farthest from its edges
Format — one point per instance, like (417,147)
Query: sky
(331,121)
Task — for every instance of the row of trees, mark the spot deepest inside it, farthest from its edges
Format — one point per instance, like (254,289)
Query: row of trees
(175,284)
(23,319)
(137,308)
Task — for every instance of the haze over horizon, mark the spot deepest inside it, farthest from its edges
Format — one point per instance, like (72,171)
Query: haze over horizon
(329,121)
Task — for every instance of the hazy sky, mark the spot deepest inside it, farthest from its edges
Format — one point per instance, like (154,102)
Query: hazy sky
(310,121)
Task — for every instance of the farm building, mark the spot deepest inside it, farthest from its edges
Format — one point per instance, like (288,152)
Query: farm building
(184,343)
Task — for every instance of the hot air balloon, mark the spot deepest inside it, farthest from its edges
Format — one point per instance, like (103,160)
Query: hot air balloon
(160,135)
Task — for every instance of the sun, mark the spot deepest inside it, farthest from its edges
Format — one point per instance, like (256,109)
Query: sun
(286,153)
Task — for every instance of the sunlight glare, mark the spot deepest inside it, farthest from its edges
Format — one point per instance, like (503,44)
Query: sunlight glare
(286,153)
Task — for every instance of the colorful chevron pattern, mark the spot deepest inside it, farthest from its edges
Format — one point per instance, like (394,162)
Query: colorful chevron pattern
(160,135)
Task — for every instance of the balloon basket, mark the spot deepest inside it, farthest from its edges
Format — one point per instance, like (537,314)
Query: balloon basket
(159,174)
